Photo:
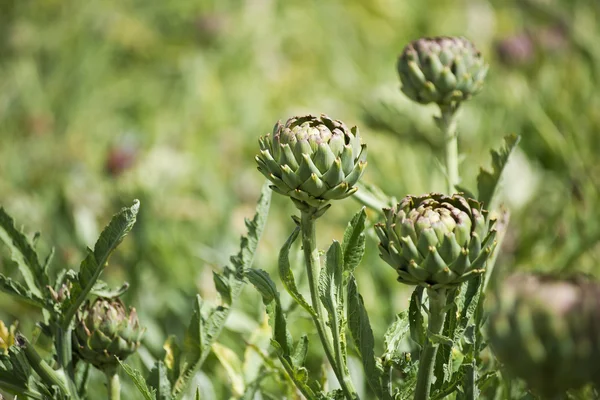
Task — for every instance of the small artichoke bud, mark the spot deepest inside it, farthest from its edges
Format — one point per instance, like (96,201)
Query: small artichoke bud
(313,160)
(105,331)
(436,241)
(545,330)
(442,70)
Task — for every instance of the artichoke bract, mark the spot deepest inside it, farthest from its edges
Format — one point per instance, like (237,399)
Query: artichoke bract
(436,241)
(312,159)
(105,331)
(442,70)
(546,331)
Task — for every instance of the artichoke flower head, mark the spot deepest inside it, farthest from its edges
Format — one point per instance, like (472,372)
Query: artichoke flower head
(546,330)
(436,241)
(442,70)
(312,159)
(105,331)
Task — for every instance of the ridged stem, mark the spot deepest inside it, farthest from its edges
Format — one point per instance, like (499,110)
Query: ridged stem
(447,124)
(313,269)
(113,383)
(435,325)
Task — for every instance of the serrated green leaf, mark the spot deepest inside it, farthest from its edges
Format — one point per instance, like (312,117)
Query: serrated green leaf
(267,289)
(487,181)
(330,279)
(300,351)
(222,286)
(158,380)
(139,382)
(415,317)
(95,261)
(234,274)
(362,334)
(15,368)
(233,365)
(14,288)
(193,339)
(287,276)
(23,254)
(102,289)
(397,339)
(353,245)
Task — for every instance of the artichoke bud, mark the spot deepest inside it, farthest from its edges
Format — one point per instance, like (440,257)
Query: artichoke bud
(436,241)
(313,160)
(442,70)
(105,331)
(546,331)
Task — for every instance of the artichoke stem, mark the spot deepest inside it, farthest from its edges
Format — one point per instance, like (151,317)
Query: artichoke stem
(113,384)
(447,124)
(435,326)
(313,269)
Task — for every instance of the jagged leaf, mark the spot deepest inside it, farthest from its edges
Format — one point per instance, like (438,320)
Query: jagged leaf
(487,181)
(23,254)
(95,261)
(353,245)
(362,334)
(14,288)
(397,339)
(139,382)
(300,351)
(222,286)
(102,289)
(234,275)
(287,276)
(158,380)
(267,289)
(415,316)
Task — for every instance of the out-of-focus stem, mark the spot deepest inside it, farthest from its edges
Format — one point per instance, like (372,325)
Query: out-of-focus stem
(447,124)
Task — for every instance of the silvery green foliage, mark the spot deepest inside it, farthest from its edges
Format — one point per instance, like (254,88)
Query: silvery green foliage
(442,70)
(435,240)
(312,159)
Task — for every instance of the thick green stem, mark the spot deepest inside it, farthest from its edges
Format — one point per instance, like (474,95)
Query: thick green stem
(45,372)
(313,268)
(447,124)
(437,315)
(113,384)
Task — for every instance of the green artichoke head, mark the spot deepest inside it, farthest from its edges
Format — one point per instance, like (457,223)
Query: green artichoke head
(436,241)
(312,159)
(105,331)
(442,70)
(546,331)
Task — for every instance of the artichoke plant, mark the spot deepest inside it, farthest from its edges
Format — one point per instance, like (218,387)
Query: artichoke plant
(436,241)
(312,159)
(546,331)
(105,331)
(442,70)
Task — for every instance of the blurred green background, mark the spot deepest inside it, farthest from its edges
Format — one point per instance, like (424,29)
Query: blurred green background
(102,102)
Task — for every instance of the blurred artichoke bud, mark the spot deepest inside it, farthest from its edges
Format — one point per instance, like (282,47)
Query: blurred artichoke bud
(313,160)
(105,332)
(546,331)
(436,241)
(442,70)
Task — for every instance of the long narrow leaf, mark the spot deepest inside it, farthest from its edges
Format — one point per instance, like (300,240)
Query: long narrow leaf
(95,262)
(487,181)
(287,276)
